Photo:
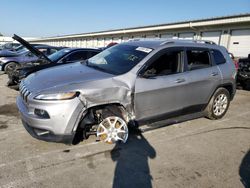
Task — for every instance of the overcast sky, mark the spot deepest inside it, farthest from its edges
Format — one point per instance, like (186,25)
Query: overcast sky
(41,18)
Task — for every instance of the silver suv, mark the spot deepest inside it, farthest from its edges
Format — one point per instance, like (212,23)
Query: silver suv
(133,83)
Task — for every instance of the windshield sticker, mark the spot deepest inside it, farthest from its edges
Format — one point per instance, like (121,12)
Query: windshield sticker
(142,49)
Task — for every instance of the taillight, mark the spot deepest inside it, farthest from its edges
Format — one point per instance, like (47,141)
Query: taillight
(236,63)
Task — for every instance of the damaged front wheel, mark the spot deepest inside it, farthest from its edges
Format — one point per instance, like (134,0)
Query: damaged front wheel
(112,129)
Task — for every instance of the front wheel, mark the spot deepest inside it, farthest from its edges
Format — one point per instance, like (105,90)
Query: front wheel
(10,67)
(112,128)
(218,104)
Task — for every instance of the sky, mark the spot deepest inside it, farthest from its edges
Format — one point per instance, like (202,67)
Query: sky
(43,18)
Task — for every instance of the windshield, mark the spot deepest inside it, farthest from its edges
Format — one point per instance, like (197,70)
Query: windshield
(20,48)
(118,59)
(58,55)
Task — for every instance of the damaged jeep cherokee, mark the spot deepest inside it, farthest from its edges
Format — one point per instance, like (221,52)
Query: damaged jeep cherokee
(130,84)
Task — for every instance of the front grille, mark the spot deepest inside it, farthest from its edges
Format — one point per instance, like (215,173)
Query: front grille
(24,92)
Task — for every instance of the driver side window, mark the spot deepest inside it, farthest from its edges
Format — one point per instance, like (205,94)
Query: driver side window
(77,56)
(168,63)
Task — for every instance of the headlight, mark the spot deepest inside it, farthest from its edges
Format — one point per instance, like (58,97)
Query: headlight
(57,96)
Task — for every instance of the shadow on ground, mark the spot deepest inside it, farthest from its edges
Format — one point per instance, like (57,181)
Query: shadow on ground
(132,168)
(244,170)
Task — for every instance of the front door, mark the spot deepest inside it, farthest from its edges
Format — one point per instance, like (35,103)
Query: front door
(161,88)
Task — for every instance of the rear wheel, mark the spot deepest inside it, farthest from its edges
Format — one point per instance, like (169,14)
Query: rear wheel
(10,67)
(218,104)
(112,128)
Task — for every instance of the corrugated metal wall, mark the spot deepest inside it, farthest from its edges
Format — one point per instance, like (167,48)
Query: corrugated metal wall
(210,29)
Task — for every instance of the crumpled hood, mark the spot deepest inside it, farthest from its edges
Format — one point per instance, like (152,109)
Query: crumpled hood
(63,75)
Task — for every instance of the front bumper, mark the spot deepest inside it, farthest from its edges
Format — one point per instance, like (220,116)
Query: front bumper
(64,116)
(50,137)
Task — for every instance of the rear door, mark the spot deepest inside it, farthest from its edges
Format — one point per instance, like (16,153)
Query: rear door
(204,77)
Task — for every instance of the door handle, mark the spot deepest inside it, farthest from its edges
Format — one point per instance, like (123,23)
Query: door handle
(215,74)
(180,80)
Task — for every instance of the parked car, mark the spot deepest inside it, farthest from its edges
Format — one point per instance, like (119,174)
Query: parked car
(243,76)
(15,51)
(9,46)
(129,84)
(61,57)
(8,64)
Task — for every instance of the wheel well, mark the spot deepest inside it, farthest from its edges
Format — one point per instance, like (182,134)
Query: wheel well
(229,87)
(9,62)
(91,118)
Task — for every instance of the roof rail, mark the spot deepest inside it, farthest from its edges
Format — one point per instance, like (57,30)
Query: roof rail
(173,40)
(167,41)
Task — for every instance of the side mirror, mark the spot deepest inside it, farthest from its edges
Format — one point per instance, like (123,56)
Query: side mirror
(150,73)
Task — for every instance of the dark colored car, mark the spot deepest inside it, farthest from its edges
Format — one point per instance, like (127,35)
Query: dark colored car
(15,51)
(9,46)
(63,56)
(243,75)
(8,64)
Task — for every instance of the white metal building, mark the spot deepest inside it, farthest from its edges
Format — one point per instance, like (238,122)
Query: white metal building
(4,39)
(233,32)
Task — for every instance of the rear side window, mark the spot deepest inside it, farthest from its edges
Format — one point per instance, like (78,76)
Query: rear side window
(92,53)
(198,59)
(218,57)
(43,50)
(52,50)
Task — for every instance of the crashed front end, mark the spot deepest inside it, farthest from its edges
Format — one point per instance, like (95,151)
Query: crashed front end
(52,121)
(70,100)
(55,120)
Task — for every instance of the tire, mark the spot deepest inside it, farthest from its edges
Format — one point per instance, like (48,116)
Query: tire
(218,104)
(113,126)
(9,67)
